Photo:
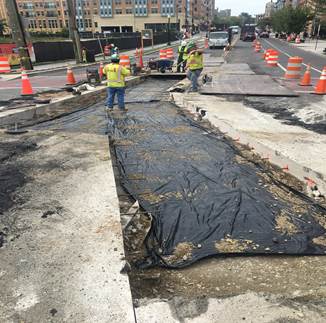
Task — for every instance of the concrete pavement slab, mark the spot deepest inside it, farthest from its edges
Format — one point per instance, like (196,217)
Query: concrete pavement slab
(63,251)
(245,85)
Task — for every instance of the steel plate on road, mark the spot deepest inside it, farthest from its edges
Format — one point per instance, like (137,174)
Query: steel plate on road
(237,69)
(259,85)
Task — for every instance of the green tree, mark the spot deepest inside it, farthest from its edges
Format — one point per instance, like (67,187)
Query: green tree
(3,26)
(265,22)
(225,22)
(291,20)
(246,18)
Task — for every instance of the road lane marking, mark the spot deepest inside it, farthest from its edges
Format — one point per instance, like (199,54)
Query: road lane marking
(281,67)
(285,53)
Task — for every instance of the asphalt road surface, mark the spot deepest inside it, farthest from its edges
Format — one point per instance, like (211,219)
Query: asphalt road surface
(289,50)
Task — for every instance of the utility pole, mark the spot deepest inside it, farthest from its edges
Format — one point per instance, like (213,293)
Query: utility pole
(73,31)
(18,34)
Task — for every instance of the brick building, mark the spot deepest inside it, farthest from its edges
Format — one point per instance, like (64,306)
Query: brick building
(112,15)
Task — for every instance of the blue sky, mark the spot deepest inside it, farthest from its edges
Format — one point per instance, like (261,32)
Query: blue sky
(238,6)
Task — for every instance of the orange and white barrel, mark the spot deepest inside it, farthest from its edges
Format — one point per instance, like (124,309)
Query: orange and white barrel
(162,53)
(124,61)
(169,53)
(272,60)
(294,68)
(4,65)
(267,53)
(258,47)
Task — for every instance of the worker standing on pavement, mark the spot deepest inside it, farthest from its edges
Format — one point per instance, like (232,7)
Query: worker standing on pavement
(182,56)
(194,65)
(116,74)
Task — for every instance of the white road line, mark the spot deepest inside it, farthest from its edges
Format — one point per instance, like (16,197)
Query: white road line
(281,67)
(285,53)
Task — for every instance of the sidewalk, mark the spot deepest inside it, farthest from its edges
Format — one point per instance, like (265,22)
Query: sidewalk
(310,46)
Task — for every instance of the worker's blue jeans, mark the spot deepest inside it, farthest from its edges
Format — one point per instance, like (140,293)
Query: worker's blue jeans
(112,91)
(193,76)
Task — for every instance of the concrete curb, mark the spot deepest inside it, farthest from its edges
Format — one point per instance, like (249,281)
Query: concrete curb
(275,157)
(40,113)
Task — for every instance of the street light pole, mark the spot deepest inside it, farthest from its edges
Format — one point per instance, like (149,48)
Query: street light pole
(18,34)
(73,31)
(169,19)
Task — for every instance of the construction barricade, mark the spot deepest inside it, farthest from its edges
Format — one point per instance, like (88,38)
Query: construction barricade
(258,47)
(162,53)
(125,61)
(272,60)
(294,68)
(169,53)
(4,65)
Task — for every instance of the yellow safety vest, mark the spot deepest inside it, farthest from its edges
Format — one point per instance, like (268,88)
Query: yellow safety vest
(195,61)
(115,75)
(185,54)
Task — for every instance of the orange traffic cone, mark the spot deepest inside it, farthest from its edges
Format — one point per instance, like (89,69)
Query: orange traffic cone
(26,85)
(70,77)
(321,85)
(306,80)
(100,71)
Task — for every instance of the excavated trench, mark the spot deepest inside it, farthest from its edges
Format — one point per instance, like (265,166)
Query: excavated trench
(200,195)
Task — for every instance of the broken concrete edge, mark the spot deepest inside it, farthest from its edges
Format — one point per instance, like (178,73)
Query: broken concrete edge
(44,112)
(301,172)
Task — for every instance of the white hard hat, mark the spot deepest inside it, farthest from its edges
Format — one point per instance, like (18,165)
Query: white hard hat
(183,43)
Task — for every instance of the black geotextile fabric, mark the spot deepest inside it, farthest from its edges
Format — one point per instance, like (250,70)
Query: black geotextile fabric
(204,197)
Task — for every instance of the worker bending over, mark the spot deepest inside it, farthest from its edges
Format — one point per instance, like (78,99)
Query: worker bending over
(194,65)
(115,75)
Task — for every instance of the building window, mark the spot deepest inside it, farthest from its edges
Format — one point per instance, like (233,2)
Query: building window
(95,24)
(118,11)
(117,2)
(128,2)
(154,10)
(154,1)
(129,11)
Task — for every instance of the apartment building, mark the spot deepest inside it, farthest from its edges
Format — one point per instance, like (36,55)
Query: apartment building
(52,16)
(136,15)
(113,15)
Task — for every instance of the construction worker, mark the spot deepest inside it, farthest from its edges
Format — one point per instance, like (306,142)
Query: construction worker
(116,74)
(84,55)
(182,56)
(194,65)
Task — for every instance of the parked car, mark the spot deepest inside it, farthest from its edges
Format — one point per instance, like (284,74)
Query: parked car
(218,39)
(264,34)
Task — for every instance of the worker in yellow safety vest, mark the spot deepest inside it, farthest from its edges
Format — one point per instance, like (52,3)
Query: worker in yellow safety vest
(182,57)
(115,75)
(194,65)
